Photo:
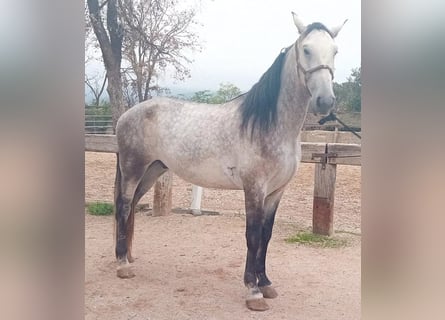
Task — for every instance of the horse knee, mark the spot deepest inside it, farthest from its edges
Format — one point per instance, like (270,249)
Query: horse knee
(123,208)
(126,208)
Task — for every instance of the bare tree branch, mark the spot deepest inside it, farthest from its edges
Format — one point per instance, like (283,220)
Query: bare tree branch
(157,33)
(96,89)
(149,37)
(110,42)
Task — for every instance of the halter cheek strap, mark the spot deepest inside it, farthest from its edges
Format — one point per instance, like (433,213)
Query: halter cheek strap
(308,72)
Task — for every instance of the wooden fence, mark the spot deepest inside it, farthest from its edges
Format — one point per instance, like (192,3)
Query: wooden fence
(326,156)
(98,120)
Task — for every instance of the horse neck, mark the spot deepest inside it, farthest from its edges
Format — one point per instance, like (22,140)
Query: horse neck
(293,99)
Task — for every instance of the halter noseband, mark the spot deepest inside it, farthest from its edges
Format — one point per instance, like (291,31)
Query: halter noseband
(307,72)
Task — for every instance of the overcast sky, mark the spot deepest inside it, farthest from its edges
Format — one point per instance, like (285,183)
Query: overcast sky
(241,39)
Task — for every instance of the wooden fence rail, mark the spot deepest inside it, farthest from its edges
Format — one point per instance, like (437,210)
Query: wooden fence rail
(326,156)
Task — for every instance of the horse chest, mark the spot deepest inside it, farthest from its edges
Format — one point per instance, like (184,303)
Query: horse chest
(284,169)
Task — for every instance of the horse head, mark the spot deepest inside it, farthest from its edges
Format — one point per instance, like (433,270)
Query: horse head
(315,51)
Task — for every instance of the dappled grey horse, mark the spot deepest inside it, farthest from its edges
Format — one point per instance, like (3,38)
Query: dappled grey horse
(250,143)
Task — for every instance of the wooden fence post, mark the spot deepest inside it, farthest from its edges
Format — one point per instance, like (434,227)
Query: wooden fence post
(323,206)
(336,132)
(162,200)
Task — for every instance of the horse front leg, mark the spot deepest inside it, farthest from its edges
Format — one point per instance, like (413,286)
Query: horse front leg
(254,228)
(270,208)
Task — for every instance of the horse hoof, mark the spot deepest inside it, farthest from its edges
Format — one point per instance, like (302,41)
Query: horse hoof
(268,292)
(257,304)
(130,259)
(125,272)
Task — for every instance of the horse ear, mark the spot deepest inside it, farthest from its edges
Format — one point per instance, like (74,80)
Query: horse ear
(300,25)
(335,30)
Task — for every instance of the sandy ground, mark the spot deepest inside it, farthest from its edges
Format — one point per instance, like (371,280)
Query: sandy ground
(191,267)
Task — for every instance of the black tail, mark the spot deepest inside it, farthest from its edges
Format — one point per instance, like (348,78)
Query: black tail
(117,198)
(128,223)
(117,182)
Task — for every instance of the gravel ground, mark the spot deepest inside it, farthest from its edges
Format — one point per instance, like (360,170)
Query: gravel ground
(191,267)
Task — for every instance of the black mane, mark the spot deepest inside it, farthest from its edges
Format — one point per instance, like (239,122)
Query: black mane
(259,106)
(260,103)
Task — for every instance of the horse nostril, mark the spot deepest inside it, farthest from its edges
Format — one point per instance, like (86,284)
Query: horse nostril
(325,102)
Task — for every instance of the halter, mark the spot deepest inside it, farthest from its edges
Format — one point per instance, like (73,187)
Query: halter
(307,72)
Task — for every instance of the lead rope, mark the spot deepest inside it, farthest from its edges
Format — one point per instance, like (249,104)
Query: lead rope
(333,117)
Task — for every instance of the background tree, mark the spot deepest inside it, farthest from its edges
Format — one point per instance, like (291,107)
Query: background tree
(348,93)
(158,35)
(96,83)
(204,96)
(356,89)
(110,43)
(227,91)
(146,37)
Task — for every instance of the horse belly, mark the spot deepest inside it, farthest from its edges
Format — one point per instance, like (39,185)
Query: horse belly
(209,174)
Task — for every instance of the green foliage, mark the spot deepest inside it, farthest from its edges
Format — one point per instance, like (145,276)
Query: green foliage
(100,208)
(204,96)
(315,240)
(226,92)
(349,93)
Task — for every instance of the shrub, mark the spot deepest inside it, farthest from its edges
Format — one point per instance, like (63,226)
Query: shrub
(100,208)
(315,240)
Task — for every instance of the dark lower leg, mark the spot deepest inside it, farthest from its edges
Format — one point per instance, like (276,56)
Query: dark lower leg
(254,228)
(122,213)
(149,178)
(253,237)
(260,268)
(267,227)
(122,250)
(130,232)
(255,299)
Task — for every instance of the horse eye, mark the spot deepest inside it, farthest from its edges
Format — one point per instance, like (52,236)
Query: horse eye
(306,51)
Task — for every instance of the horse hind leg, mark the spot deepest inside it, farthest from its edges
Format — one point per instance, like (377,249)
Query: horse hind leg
(152,173)
(128,177)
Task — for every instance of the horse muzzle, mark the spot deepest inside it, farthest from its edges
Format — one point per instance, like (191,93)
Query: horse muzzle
(322,104)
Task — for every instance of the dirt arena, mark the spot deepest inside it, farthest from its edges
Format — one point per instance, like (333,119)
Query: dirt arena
(191,267)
